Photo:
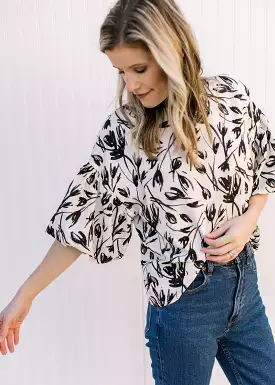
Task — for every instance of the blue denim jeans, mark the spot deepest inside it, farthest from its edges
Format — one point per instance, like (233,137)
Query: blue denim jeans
(221,315)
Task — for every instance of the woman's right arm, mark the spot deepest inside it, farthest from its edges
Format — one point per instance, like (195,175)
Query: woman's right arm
(57,260)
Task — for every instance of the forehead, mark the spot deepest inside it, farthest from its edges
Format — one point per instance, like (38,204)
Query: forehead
(124,56)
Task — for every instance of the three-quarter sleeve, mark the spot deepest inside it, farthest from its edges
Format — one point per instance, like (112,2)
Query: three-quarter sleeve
(263,150)
(92,216)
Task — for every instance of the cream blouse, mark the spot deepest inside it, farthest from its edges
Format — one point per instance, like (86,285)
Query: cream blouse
(171,206)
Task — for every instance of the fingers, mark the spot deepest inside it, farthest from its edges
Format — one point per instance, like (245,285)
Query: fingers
(16,335)
(222,259)
(10,340)
(218,251)
(3,347)
(217,242)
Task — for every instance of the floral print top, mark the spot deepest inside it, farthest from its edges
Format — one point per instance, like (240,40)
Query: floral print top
(171,206)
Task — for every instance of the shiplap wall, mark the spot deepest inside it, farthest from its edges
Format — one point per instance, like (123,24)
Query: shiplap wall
(56,90)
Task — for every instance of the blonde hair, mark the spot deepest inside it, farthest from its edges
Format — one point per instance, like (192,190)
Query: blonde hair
(159,26)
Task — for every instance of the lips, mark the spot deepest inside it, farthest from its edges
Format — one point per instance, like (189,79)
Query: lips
(143,94)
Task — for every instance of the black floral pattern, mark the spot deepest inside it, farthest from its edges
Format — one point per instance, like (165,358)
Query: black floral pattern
(171,205)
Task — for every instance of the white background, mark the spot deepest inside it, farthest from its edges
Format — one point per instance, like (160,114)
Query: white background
(56,89)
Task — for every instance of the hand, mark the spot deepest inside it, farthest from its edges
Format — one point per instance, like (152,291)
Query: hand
(231,236)
(11,319)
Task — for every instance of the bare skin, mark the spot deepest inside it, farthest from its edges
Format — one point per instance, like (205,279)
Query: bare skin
(130,62)
(56,261)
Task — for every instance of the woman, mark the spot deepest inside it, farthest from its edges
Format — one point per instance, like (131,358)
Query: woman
(190,161)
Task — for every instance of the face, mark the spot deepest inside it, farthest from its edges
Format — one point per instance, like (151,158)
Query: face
(141,74)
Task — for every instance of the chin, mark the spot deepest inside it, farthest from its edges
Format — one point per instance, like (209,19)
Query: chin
(159,104)
(151,104)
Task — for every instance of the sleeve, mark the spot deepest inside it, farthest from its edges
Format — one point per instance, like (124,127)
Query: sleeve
(263,150)
(92,216)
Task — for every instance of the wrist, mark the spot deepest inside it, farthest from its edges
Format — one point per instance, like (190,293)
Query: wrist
(253,215)
(24,294)
(254,212)
(255,205)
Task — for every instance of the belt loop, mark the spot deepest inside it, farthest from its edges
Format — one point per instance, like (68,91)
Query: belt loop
(210,267)
(250,247)
(249,251)
(245,253)
(237,259)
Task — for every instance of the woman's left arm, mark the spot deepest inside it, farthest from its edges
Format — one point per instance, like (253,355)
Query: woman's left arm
(233,235)
(256,204)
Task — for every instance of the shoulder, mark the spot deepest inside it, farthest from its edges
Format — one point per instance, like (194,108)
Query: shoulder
(118,121)
(113,124)
(223,84)
(113,134)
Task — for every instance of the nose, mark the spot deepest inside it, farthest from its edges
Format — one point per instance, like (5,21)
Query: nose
(131,83)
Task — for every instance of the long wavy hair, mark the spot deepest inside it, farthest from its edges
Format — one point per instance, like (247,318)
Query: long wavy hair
(159,27)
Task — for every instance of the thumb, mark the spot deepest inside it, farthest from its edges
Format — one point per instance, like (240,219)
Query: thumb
(217,233)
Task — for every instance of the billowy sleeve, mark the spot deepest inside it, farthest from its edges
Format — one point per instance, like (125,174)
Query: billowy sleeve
(94,215)
(263,150)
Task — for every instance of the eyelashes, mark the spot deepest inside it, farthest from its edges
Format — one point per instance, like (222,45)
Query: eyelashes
(137,71)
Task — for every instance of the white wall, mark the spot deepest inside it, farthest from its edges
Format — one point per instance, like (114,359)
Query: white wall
(56,89)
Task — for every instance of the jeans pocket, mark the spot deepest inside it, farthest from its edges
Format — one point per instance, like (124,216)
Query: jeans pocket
(198,284)
(148,318)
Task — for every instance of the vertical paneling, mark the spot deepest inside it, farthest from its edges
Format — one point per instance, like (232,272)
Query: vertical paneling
(56,90)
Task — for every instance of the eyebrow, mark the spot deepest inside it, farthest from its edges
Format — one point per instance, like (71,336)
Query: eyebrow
(133,65)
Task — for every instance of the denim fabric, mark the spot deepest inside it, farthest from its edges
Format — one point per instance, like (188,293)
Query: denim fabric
(221,315)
